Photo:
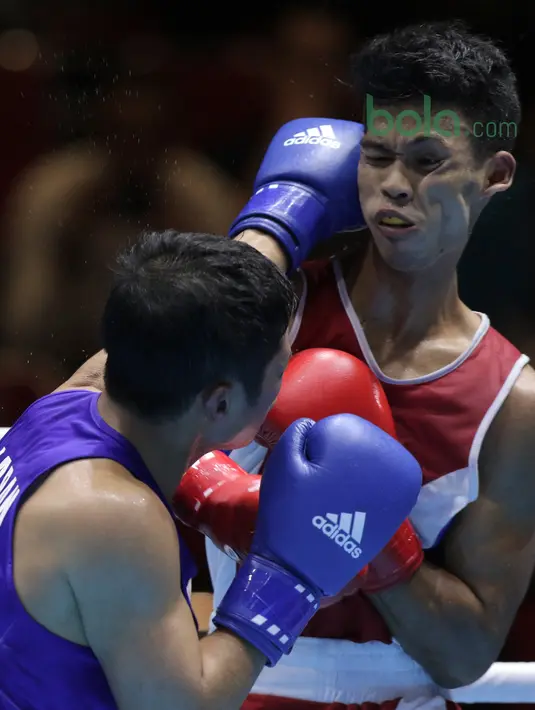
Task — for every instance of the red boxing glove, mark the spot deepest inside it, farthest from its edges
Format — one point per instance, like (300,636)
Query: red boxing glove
(396,563)
(219,499)
(320,382)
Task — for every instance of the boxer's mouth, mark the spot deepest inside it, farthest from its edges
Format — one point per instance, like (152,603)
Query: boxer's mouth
(389,218)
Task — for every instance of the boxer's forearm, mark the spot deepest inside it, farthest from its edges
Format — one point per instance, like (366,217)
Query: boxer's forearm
(266,245)
(230,667)
(440,623)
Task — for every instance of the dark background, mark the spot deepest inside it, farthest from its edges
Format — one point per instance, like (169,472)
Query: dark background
(118,115)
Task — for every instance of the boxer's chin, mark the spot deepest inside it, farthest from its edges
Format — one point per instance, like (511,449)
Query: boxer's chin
(241,440)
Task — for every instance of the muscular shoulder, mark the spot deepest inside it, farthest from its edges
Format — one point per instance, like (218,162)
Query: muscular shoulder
(95,509)
(523,392)
(507,462)
(516,418)
(126,548)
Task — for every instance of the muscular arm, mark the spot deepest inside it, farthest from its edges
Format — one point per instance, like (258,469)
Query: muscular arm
(454,621)
(125,577)
(350,243)
(266,245)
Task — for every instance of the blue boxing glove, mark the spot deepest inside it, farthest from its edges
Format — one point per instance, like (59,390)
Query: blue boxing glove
(306,188)
(332,495)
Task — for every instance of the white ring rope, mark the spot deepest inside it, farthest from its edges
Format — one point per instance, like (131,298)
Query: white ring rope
(502,683)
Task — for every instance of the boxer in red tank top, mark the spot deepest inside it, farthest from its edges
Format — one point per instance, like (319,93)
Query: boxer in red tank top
(463,398)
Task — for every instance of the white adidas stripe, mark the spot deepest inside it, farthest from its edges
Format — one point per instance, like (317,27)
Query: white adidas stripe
(327,132)
(319,132)
(350,523)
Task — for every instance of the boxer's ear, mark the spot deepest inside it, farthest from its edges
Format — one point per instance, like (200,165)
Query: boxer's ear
(499,173)
(216,401)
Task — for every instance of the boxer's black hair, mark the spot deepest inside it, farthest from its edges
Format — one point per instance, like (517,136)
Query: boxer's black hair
(455,68)
(187,312)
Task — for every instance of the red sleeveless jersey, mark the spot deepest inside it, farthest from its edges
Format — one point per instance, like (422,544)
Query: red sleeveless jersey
(440,418)
(346,658)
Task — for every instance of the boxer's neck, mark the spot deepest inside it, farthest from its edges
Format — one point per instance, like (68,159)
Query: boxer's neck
(408,308)
(166,449)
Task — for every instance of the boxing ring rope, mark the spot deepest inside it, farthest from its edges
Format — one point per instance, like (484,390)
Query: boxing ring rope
(502,683)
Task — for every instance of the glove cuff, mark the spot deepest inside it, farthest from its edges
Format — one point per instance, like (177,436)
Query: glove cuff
(294,216)
(267,606)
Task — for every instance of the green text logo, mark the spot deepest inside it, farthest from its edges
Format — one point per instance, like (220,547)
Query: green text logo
(447,123)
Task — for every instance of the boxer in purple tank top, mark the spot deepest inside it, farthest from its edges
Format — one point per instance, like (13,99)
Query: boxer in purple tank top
(195,331)
(94,609)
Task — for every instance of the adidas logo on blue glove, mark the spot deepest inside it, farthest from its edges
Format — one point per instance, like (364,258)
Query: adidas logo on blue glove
(345,530)
(323,135)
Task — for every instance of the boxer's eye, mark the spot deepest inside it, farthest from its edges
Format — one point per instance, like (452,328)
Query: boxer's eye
(429,162)
(378,159)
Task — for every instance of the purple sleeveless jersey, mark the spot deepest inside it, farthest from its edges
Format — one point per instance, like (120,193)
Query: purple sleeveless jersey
(39,670)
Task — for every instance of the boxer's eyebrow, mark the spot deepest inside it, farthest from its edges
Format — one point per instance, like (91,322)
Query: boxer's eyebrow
(416,140)
(432,138)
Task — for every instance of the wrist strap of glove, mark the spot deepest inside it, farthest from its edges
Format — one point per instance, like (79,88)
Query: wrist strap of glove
(267,606)
(296,217)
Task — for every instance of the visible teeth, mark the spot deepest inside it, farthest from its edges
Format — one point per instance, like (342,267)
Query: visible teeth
(394,221)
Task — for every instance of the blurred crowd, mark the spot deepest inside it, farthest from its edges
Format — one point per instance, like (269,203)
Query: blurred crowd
(117,116)
(116,124)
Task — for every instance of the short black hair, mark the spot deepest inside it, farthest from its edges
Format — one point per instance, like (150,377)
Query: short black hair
(452,66)
(187,311)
